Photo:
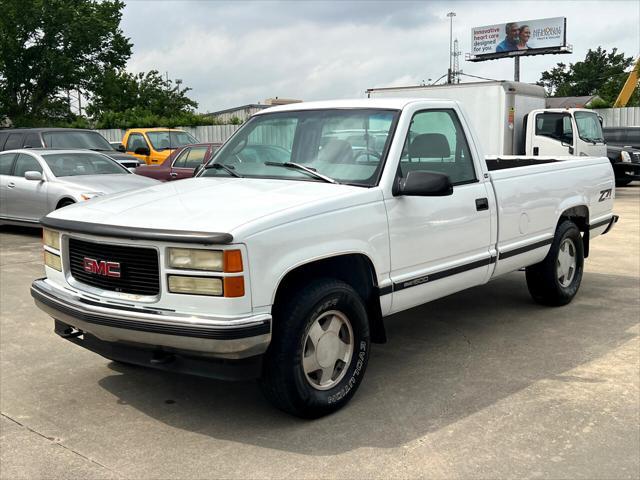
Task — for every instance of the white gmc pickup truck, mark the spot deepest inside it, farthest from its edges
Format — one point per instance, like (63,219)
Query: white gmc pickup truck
(311,224)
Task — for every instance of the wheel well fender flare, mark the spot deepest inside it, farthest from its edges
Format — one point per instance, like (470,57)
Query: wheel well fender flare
(354,268)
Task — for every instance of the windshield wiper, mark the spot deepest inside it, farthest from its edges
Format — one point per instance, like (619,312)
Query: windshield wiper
(302,168)
(226,168)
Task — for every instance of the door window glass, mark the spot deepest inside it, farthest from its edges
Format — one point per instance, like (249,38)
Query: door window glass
(195,157)
(32,141)
(555,125)
(181,161)
(136,141)
(14,141)
(437,143)
(6,162)
(26,163)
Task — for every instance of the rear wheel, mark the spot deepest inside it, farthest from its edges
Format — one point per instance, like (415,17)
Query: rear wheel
(319,350)
(556,280)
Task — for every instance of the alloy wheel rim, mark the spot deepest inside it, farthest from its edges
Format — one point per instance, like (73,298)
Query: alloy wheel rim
(566,262)
(327,350)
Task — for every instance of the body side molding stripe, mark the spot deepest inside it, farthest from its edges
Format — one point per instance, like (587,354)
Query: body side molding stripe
(526,248)
(135,233)
(414,282)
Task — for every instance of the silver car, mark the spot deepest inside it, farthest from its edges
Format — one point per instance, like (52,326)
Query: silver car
(34,182)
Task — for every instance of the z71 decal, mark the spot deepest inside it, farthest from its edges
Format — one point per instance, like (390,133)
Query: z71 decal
(605,195)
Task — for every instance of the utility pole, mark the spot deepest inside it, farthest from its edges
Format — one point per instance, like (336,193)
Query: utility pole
(455,76)
(449,73)
(516,69)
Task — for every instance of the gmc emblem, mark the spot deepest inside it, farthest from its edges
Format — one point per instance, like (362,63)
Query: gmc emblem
(102,267)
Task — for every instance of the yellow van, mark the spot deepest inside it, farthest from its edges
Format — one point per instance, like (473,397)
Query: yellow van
(154,145)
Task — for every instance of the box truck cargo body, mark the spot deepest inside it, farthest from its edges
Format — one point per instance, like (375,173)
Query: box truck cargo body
(496,109)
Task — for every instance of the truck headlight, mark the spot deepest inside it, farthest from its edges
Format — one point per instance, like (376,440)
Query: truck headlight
(196,259)
(625,157)
(51,238)
(195,285)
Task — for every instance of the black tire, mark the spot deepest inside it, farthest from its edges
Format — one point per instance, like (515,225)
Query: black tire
(623,182)
(284,381)
(65,203)
(543,282)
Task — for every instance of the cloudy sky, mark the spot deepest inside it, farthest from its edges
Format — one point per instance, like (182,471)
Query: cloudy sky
(239,52)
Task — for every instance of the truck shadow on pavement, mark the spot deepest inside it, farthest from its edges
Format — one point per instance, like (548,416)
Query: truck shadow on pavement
(444,361)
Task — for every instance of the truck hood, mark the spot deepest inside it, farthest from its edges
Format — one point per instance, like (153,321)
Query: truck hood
(106,184)
(240,206)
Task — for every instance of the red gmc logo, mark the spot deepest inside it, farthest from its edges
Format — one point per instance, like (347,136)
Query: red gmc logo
(102,267)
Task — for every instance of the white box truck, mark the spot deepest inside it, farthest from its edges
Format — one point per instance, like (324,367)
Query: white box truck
(501,112)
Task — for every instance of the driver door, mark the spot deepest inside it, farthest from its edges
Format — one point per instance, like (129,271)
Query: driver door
(553,135)
(439,244)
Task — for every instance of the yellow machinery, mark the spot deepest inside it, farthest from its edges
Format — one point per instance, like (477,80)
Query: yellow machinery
(629,86)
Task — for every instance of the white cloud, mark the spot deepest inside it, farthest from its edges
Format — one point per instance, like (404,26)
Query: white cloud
(243,52)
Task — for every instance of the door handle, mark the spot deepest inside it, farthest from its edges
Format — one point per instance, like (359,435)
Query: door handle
(535,151)
(482,204)
(173,174)
(11,185)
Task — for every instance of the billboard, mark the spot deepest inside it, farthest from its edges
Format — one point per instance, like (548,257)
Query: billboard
(527,37)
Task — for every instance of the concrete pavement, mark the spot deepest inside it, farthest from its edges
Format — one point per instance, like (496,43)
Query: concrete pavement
(481,384)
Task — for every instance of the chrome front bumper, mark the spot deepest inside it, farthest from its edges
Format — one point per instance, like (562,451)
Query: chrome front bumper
(215,337)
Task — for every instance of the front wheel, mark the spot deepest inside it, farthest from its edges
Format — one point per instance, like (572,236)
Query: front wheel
(319,350)
(556,280)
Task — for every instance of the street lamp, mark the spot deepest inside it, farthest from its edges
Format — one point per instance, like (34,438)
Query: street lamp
(450,15)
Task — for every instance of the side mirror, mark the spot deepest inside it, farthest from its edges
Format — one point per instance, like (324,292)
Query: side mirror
(33,175)
(142,151)
(424,184)
(198,169)
(121,148)
(601,120)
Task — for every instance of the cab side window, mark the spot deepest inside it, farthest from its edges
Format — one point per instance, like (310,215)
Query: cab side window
(555,125)
(6,163)
(135,141)
(26,163)
(437,143)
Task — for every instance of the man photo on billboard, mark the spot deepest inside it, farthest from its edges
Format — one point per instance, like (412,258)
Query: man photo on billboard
(510,42)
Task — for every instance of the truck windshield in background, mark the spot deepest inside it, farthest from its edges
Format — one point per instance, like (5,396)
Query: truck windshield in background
(162,140)
(348,145)
(589,128)
(79,139)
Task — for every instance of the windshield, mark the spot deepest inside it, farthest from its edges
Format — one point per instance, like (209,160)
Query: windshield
(79,139)
(82,163)
(589,128)
(347,145)
(162,140)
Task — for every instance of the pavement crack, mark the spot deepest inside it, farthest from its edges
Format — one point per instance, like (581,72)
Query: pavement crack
(57,442)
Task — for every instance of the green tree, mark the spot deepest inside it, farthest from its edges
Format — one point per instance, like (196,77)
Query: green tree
(600,73)
(128,99)
(49,47)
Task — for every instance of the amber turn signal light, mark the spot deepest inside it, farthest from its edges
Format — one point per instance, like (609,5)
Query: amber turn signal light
(232,261)
(233,287)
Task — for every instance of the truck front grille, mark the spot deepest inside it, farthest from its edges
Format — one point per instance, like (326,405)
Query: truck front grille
(137,267)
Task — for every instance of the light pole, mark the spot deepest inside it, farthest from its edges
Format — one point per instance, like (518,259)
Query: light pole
(450,15)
